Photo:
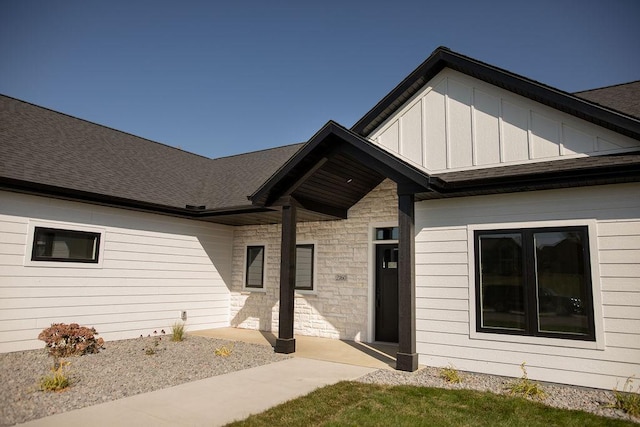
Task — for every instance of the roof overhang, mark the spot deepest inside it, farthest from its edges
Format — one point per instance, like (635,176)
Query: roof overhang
(333,171)
(576,172)
(239,215)
(336,168)
(442,58)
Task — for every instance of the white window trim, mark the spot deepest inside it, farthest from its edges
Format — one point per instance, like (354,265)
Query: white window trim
(28,262)
(263,289)
(314,291)
(592,228)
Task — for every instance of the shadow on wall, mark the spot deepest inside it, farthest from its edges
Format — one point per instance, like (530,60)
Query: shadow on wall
(257,310)
(220,258)
(259,306)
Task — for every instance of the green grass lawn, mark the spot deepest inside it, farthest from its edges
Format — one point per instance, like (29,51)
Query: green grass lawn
(357,404)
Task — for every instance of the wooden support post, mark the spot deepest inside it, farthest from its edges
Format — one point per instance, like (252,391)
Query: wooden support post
(285,343)
(407,358)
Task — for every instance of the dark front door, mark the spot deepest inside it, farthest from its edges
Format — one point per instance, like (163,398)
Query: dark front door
(387,293)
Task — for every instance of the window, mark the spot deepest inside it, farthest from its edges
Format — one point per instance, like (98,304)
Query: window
(52,244)
(534,282)
(254,273)
(386,233)
(304,267)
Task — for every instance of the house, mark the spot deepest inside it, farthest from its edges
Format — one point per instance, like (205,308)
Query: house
(474,216)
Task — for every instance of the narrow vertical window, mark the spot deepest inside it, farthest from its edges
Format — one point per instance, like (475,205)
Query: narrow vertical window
(304,267)
(562,283)
(501,281)
(254,274)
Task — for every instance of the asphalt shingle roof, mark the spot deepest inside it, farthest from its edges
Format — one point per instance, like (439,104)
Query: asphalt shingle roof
(42,146)
(624,97)
(593,163)
(45,148)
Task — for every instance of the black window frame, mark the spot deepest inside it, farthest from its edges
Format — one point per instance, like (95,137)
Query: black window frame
(246,267)
(386,233)
(311,288)
(529,283)
(96,236)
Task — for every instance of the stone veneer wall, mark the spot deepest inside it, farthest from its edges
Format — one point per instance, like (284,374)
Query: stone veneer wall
(336,309)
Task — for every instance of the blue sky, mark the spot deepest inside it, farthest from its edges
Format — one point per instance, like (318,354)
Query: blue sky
(221,78)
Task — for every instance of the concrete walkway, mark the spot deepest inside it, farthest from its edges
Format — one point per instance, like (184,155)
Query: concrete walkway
(213,401)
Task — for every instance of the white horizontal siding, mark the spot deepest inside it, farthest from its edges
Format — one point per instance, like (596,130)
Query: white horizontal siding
(51,287)
(445,324)
(153,267)
(444,338)
(620,284)
(466,123)
(623,340)
(46,315)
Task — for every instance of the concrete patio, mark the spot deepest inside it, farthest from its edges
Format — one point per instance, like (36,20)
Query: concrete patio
(371,355)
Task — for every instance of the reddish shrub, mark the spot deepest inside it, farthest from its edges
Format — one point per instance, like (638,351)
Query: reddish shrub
(70,340)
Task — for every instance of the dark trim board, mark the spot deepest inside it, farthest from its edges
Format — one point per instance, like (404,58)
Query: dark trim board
(443,57)
(331,141)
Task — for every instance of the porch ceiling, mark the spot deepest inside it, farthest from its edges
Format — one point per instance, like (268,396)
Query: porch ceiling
(336,183)
(333,183)
(333,171)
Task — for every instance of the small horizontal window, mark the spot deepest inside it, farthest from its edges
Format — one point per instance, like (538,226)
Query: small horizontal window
(387,233)
(56,245)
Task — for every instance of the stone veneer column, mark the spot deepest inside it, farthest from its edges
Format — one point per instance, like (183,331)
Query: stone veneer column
(285,343)
(407,358)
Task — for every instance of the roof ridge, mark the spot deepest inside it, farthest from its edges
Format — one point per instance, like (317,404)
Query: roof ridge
(607,87)
(258,151)
(105,127)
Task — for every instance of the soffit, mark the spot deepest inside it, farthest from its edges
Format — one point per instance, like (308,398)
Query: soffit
(335,170)
(271,216)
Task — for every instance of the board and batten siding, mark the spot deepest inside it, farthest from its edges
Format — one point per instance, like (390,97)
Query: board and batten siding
(153,267)
(458,122)
(445,285)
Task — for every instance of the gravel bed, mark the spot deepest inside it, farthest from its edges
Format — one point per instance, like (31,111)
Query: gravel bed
(121,369)
(124,369)
(591,400)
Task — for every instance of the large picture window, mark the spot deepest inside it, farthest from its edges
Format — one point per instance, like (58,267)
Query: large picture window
(304,267)
(534,282)
(254,274)
(52,244)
